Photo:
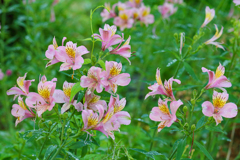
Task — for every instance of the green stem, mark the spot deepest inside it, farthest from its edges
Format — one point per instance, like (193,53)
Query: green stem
(233,57)
(63,127)
(20,151)
(59,149)
(178,67)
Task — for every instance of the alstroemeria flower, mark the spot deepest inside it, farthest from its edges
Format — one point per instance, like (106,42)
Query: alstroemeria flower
(210,13)
(108,36)
(51,53)
(43,100)
(134,3)
(63,96)
(237,2)
(167,9)
(92,80)
(107,15)
(92,100)
(136,13)
(122,6)
(124,20)
(215,37)
(112,77)
(175,1)
(92,119)
(160,88)
(20,111)
(145,15)
(71,55)
(219,108)
(124,50)
(23,87)
(162,113)
(114,117)
(217,80)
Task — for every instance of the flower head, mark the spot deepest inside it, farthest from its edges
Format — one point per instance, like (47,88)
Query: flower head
(215,37)
(23,88)
(92,100)
(145,15)
(160,88)
(63,96)
(237,2)
(162,113)
(219,108)
(217,80)
(51,53)
(107,15)
(112,77)
(166,10)
(210,13)
(92,80)
(124,20)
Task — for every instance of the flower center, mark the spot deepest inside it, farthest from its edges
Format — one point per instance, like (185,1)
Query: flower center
(135,15)
(67,91)
(163,108)
(124,16)
(20,82)
(145,13)
(115,70)
(219,101)
(219,72)
(22,105)
(118,108)
(108,116)
(70,52)
(44,92)
(94,99)
(92,120)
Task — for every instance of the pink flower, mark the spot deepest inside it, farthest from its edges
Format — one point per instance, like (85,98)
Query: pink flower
(43,100)
(124,50)
(108,36)
(23,87)
(71,55)
(215,37)
(160,88)
(237,2)
(1,74)
(107,15)
(20,111)
(217,80)
(145,15)
(9,72)
(52,17)
(162,113)
(92,100)
(112,76)
(167,9)
(219,107)
(52,52)
(175,1)
(124,20)
(93,79)
(64,97)
(134,3)
(210,13)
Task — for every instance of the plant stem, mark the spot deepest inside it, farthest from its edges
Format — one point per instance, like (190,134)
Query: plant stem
(152,140)
(233,57)
(178,67)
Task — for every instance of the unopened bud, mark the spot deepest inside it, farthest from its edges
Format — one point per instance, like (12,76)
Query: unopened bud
(69,131)
(190,48)
(195,37)
(176,37)
(186,126)
(192,101)
(193,127)
(49,123)
(185,109)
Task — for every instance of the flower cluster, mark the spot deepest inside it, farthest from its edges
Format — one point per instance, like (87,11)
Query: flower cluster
(168,8)
(219,108)
(96,113)
(162,112)
(128,13)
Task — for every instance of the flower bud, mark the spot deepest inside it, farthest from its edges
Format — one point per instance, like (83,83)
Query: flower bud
(17,134)
(186,126)
(176,37)
(69,131)
(193,127)
(50,123)
(195,37)
(192,101)
(185,109)
(190,48)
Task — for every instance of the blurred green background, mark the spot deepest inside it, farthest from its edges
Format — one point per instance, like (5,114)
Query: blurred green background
(26,32)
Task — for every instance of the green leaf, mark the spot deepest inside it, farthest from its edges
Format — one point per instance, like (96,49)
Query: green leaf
(102,64)
(215,129)
(150,154)
(77,144)
(75,89)
(49,151)
(87,61)
(180,149)
(81,95)
(87,39)
(190,70)
(84,151)
(201,122)
(201,147)
(72,155)
(94,156)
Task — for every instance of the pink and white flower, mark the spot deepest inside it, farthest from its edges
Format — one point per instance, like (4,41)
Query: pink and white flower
(124,50)
(175,1)
(124,20)
(215,37)
(108,36)
(23,88)
(107,15)
(160,88)
(167,9)
(112,77)
(51,53)
(219,108)
(92,80)
(217,80)
(237,2)
(63,96)
(71,55)
(145,15)
(92,100)
(162,113)
(43,100)
(210,13)
(20,111)
(134,3)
